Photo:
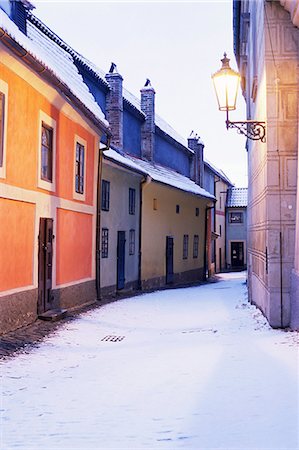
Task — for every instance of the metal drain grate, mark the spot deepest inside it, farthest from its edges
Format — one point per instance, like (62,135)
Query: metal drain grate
(112,338)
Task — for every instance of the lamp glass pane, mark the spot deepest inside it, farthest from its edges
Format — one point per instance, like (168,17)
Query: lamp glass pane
(226,84)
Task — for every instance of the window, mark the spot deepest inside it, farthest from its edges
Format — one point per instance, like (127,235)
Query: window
(105,195)
(220,230)
(236,217)
(79,168)
(3,126)
(197,212)
(47,153)
(105,238)
(132,200)
(155,204)
(177,209)
(132,242)
(2,118)
(185,246)
(195,246)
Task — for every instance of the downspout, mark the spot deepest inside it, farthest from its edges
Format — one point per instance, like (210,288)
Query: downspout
(98,218)
(146,180)
(208,208)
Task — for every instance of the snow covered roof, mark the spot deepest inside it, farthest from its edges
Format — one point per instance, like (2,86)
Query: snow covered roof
(237,197)
(218,172)
(158,173)
(53,58)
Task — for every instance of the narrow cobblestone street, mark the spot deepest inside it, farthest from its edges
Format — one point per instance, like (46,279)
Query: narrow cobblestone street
(195,368)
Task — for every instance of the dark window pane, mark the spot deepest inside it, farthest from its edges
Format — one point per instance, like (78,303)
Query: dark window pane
(2,118)
(105,239)
(105,195)
(185,246)
(46,153)
(79,181)
(132,242)
(236,217)
(195,246)
(132,200)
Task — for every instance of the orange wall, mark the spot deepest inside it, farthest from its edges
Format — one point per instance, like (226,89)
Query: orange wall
(24,104)
(16,244)
(73,246)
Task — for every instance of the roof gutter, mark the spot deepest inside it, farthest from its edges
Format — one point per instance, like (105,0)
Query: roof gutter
(49,76)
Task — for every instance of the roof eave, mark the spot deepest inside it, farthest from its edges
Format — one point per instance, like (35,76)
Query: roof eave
(51,78)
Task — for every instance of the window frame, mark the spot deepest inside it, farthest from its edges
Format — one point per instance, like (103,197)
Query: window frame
(185,246)
(132,201)
(132,241)
(47,122)
(105,201)
(195,246)
(82,143)
(105,243)
(238,222)
(3,124)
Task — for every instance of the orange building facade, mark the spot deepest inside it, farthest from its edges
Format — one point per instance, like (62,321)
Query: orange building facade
(48,197)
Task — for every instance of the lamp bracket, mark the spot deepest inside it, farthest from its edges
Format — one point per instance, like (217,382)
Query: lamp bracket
(253,130)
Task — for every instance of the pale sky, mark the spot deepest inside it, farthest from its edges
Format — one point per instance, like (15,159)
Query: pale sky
(177,45)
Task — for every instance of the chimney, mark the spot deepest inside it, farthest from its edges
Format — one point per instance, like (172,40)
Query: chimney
(148,128)
(114,106)
(197,163)
(18,11)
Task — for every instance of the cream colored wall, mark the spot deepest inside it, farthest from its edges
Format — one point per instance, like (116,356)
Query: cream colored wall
(220,195)
(157,224)
(119,219)
(272,55)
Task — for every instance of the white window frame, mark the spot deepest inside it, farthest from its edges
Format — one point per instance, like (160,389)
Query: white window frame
(77,195)
(4,90)
(50,122)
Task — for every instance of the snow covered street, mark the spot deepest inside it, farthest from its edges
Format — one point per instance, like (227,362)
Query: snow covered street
(192,368)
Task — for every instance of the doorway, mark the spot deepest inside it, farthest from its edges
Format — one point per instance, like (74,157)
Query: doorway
(45,257)
(237,255)
(121,253)
(169,259)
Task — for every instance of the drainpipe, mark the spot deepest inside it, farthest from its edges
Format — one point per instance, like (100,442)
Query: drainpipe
(146,181)
(208,208)
(98,217)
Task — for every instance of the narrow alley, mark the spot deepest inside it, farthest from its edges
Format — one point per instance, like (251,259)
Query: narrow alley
(191,368)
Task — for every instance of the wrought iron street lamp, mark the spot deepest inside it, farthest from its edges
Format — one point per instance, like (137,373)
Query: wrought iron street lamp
(226,83)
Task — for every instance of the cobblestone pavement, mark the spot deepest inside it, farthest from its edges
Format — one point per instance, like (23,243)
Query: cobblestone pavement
(22,339)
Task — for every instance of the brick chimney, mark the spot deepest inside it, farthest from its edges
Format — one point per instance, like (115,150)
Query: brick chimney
(148,128)
(114,107)
(197,163)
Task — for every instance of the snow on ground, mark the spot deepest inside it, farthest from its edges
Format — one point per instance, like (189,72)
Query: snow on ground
(194,368)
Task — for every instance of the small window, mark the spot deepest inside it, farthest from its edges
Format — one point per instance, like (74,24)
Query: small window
(195,246)
(220,230)
(105,238)
(2,118)
(177,209)
(185,246)
(236,217)
(155,204)
(197,212)
(79,174)
(132,242)
(47,153)
(132,200)
(105,195)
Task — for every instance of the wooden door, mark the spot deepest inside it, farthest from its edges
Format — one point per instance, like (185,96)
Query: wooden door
(169,259)
(237,254)
(121,256)
(45,257)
